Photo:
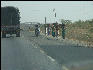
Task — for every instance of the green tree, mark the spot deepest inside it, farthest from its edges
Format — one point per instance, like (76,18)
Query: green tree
(66,21)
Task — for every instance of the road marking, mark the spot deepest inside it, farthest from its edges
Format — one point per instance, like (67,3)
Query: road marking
(64,67)
(42,51)
(51,58)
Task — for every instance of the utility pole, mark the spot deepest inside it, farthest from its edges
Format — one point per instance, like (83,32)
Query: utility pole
(45,25)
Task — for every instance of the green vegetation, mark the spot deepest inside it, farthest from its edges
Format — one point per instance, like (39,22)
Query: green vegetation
(91,30)
(80,30)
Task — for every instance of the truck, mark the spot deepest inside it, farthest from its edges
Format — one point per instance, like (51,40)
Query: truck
(10,21)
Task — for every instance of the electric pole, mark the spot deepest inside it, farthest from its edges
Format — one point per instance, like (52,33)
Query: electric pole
(45,25)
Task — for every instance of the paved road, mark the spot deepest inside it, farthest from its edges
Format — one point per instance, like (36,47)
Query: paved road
(41,53)
(64,53)
(22,54)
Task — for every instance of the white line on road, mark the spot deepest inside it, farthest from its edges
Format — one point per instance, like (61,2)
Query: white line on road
(51,58)
(42,51)
(64,67)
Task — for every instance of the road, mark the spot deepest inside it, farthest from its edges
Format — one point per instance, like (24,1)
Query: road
(41,53)
(21,54)
(66,54)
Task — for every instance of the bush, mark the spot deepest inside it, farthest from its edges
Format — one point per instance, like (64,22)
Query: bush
(91,30)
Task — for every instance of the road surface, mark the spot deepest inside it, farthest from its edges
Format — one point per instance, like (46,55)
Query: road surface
(41,53)
(66,54)
(21,54)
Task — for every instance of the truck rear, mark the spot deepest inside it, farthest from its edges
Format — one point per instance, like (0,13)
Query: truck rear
(10,21)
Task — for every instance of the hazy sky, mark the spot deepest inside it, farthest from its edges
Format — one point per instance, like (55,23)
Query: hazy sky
(35,11)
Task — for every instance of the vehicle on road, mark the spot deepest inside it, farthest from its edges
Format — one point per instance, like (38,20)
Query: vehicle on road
(10,21)
(36,30)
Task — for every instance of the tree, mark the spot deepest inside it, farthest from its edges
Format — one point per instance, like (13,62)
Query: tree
(66,21)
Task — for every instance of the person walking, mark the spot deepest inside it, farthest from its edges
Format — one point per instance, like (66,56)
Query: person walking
(56,30)
(49,30)
(39,30)
(46,30)
(53,31)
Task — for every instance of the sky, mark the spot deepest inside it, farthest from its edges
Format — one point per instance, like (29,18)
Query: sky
(36,11)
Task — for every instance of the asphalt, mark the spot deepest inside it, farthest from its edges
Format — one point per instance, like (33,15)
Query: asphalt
(43,53)
(67,55)
(22,54)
